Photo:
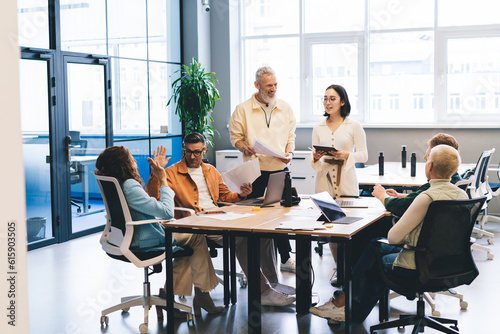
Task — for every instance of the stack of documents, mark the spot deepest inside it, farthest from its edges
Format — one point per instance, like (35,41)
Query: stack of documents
(245,173)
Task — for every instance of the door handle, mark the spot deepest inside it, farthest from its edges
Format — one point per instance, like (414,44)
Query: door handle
(67,141)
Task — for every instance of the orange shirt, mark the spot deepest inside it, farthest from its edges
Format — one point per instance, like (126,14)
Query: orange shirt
(186,191)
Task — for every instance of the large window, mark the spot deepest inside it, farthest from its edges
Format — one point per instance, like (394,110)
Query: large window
(403,62)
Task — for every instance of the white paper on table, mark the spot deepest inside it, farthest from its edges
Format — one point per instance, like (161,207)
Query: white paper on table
(299,223)
(229,215)
(245,173)
(261,148)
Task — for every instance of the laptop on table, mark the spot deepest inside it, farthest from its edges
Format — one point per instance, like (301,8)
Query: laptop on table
(352,203)
(274,192)
(331,211)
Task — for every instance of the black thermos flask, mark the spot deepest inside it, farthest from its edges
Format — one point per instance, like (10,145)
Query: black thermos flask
(288,190)
(381,164)
(413,171)
(403,156)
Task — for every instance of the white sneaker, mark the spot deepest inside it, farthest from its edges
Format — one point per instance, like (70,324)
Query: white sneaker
(333,279)
(329,311)
(286,289)
(272,297)
(289,265)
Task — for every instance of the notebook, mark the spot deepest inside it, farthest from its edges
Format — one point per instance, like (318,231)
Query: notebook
(331,211)
(274,192)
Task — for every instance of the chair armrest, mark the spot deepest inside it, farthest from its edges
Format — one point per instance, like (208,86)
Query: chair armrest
(191,211)
(147,221)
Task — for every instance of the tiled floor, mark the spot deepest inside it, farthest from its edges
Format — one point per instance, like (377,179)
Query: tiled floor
(70,283)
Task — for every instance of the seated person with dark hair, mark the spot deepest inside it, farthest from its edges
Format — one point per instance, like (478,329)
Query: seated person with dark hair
(442,163)
(197,270)
(199,186)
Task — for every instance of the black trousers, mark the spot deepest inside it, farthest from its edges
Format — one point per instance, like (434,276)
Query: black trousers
(258,189)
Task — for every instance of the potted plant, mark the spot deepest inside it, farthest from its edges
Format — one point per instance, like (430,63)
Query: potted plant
(195,94)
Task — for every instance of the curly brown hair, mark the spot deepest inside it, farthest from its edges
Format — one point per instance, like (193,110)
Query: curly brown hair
(118,162)
(443,139)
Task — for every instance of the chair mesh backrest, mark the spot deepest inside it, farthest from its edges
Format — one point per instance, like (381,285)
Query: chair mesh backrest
(445,236)
(481,169)
(114,207)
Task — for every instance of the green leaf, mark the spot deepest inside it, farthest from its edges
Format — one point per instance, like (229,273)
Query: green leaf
(195,94)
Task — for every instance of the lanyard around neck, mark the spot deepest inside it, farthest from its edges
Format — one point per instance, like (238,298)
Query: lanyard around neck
(268,122)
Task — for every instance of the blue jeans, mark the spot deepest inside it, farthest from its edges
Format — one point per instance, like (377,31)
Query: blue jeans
(367,285)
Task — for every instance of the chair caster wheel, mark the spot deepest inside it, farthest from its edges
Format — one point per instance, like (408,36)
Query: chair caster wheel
(454,327)
(143,328)
(126,309)
(489,256)
(105,320)
(436,313)
(463,305)
(401,329)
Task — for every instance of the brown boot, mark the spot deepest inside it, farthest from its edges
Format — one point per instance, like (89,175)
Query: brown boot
(204,301)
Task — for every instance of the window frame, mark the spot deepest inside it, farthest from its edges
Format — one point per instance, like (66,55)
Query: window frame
(437,101)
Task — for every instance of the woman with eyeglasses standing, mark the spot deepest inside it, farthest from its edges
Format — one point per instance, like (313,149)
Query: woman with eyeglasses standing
(336,171)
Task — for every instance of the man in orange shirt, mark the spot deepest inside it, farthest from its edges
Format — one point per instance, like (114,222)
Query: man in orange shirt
(199,186)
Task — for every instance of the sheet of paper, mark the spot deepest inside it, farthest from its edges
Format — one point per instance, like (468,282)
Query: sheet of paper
(299,223)
(245,173)
(261,148)
(229,215)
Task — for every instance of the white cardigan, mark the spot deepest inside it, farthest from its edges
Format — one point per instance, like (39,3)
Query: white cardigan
(348,136)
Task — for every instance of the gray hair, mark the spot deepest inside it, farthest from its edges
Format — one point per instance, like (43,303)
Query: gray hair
(263,70)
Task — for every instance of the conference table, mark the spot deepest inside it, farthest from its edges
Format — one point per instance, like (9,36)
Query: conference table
(263,223)
(397,176)
(394,176)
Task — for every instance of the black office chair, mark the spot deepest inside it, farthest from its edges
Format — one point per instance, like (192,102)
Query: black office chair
(78,148)
(443,258)
(116,239)
(430,296)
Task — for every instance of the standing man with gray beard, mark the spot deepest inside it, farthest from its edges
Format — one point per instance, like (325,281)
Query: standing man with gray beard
(271,121)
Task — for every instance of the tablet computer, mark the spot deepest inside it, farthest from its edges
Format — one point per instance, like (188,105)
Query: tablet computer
(326,149)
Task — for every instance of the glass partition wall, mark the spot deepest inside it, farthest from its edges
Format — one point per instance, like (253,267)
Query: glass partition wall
(93,74)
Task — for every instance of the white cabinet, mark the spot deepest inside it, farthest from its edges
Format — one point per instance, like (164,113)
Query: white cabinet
(227,159)
(303,175)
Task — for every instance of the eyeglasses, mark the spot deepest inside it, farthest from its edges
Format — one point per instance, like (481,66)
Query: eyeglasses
(331,99)
(195,153)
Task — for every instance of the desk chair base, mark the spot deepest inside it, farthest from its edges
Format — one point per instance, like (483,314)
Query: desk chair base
(242,279)
(430,299)
(146,301)
(480,232)
(489,255)
(419,321)
(488,218)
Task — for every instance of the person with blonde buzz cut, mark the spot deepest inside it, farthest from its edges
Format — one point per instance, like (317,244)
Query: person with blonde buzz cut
(442,163)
